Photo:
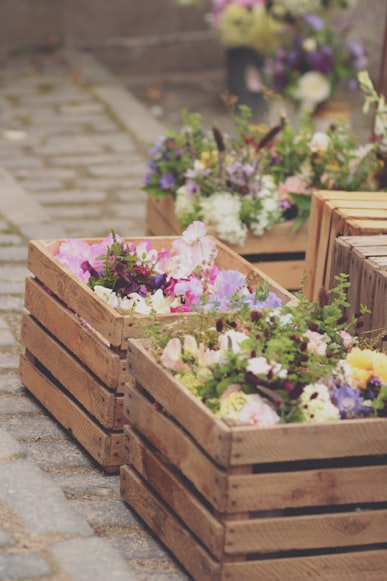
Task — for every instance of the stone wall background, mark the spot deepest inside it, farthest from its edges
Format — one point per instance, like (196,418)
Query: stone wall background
(145,36)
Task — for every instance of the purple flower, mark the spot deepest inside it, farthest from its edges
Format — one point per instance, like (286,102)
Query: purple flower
(192,187)
(314,21)
(323,60)
(157,147)
(348,401)
(151,167)
(167,181)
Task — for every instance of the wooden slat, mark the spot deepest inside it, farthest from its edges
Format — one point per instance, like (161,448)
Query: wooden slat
(177,447)
(92,437)
(301,488)
(352,566)
(75,294)
(169,530)
(80,340)
(175,492)
(302,533)
(84,387)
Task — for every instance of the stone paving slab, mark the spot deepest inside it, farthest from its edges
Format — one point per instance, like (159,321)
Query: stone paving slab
(73,149)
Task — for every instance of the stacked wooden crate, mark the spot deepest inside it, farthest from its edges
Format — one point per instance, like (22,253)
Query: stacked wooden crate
(241,503)
(336,214)
(279,253)
(75,360)
(364,258)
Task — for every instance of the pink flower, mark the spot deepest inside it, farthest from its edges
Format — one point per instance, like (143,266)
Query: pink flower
(171,356)
(347,339)
(292,185)
(257,412)
(194,232)
(316,342)
(207,357)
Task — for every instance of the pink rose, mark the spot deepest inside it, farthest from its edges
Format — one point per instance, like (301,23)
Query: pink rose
(316,342)
(257,412)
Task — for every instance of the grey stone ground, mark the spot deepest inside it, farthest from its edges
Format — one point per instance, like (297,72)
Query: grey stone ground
(72,154)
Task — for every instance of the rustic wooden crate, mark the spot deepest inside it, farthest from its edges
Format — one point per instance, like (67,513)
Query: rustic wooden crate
(278,253)
(290,502)
(75,347)
(333,214)
(364,258)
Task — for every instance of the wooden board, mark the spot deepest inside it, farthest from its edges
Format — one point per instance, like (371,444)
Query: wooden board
(105,448)
(364,258)
(335,214)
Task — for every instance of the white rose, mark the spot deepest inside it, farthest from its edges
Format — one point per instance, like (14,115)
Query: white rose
(313,88)
(319,142)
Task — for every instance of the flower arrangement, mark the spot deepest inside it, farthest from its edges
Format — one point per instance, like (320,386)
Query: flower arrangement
(316,60)
(137,278)
(301,363)
(245,23)
(258,176)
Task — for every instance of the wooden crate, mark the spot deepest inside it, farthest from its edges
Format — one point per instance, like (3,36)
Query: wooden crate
(278,253)
(336,214)
(292,502)
(364,258)
(75,347)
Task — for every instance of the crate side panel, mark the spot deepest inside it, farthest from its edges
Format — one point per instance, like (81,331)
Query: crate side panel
(176,492)
(83,386)
(69,330)
(73,292)
(213,435)
(168,529)
(178,447)
(66,412)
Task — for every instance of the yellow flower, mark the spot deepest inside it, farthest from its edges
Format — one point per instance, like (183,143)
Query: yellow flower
(254,28)
(360,377)
(380,366)
(361,358)
(209,158)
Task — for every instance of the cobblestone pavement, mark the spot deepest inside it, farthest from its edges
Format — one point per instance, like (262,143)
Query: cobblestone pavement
(72,152)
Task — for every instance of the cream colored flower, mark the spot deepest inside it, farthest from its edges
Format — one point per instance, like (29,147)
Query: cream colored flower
(313,88)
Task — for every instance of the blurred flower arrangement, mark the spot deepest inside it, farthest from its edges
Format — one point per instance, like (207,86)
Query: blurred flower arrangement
(300,363)
(245,23)
(318,58)
(258,176)
(137,278)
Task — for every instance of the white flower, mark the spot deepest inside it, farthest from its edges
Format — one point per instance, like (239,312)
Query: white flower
(309,44)
(184,203)
(107,295)
(316,406)
(320,141)
(313,88)
(231,340)
(222,210)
